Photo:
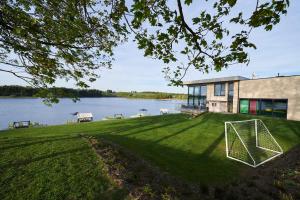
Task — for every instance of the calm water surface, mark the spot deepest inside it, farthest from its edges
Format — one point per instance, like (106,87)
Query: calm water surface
(19,109)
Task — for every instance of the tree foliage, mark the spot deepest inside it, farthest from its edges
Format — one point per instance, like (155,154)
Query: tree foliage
(61,92)
(204,41)
(42,41)
(45,40)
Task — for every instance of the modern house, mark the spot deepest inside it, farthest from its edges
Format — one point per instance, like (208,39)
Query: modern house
(275,96)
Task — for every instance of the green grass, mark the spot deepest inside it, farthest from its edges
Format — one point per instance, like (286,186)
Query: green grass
(55,163)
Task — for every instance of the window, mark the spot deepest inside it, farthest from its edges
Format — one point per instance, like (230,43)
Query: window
(202,103)
(197,91)
(267,107)
(220,89)
(197,96)
(190,95)
(191,91)
(203,90)
(230,97)
(230,89)
(280,108)
(190,101)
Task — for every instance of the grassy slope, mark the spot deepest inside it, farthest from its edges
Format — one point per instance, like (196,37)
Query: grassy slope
(49,165)
(53,162)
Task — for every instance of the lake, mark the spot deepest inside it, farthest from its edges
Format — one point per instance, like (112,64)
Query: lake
(24,109)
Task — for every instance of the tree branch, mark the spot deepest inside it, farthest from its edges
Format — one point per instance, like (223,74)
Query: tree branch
(11,64)
(186,26)
(24,78)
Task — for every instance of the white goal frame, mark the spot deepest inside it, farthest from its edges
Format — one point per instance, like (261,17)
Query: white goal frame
(255,163)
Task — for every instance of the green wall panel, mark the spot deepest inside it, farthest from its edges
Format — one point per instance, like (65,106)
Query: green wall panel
(244,106)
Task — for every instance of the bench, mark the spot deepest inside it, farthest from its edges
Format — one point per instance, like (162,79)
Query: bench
(21,124)
(84,117)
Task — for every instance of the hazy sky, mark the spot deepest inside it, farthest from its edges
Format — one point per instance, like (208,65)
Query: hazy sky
(277,51)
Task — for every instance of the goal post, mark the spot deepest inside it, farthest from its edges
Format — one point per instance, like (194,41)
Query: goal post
(250,142)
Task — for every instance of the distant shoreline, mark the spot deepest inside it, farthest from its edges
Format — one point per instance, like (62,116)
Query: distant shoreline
(126,97)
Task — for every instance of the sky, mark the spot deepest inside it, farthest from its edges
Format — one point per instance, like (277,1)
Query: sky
(278,51)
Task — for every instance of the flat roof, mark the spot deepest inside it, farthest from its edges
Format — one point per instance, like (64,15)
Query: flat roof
(287,76)
(215,80)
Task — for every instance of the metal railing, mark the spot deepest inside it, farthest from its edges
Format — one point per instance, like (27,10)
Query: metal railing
(193,107)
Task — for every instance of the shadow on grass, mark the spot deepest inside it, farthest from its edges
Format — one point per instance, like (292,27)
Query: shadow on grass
(198,168)
(160,125)
(207,152)
(28,161)
(47,164)
(20,143)
(146,123)
(294,126)
(181,131)
(202,166)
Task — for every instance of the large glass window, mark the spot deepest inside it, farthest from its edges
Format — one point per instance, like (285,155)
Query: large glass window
(197,91)
(191,91)
(197,96)
(203,90)
(230,89)
(220,89)
(280,108)
(267,107)
(230,97)
(190,100)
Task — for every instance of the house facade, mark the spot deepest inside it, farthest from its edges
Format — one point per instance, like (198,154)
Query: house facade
(275,96)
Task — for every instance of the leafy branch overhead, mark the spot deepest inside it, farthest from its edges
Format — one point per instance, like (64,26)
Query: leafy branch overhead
(42,41)
(203,41)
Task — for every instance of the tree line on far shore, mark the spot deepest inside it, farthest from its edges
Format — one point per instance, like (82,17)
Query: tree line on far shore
(21,91)
(61,92)
(152,95)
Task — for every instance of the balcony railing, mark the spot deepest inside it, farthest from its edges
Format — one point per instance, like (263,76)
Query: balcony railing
(193,107)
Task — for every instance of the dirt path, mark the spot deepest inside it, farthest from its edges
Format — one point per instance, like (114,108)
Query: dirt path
(278,179)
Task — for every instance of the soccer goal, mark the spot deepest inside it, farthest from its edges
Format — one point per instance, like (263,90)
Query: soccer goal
(250,142)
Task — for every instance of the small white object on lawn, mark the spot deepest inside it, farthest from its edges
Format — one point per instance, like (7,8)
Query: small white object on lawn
(164,111)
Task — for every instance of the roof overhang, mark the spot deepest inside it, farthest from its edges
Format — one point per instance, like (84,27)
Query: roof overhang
(215,80)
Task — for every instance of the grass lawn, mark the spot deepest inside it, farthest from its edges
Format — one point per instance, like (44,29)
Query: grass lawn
(56,163)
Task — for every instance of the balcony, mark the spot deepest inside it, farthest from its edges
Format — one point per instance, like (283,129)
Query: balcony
(193,109)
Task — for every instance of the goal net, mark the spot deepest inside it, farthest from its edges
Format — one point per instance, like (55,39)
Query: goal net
(250,142)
